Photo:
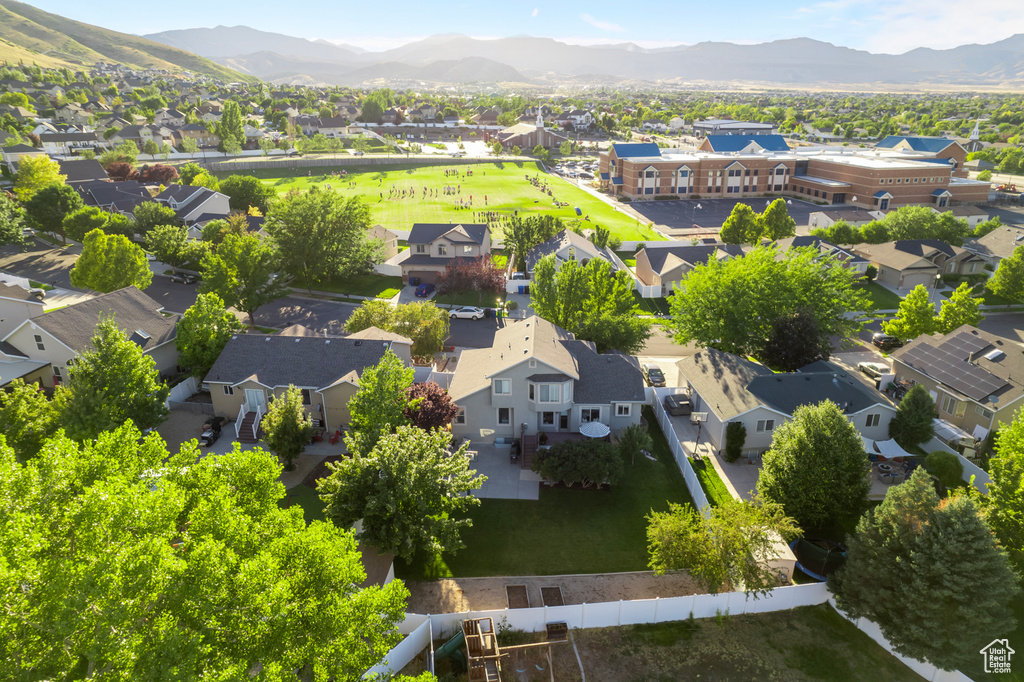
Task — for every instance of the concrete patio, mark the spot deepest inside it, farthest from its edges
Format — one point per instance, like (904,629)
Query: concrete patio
(505,480)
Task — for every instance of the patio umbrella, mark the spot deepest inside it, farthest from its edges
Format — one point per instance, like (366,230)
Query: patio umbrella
(595,430)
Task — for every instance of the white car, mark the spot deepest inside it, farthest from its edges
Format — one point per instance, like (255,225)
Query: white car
(466,313)
(874,369)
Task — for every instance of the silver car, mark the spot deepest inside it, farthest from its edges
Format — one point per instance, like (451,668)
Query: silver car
(466,313)
(874,369)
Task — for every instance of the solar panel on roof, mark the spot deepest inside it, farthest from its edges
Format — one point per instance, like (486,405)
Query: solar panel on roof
(966,341)
(952,369)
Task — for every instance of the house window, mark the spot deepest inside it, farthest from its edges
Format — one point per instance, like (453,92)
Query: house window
(987,414)
(972,267)
(467,250)
(881,181)
(765,425)
(623,410)
(39,342)
(307,399)
(460,416)
(442,250)
(949,404)
(532,363)
(873,420)
(56,373)
(504,415)
(229,390)
(590,414)
(649,174)
(502,386)
(547,418)
(421,248)
(531,392)
(550,393)
(735,173)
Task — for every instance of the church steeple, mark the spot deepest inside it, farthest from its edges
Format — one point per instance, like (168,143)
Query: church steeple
(975,135)
(540,117)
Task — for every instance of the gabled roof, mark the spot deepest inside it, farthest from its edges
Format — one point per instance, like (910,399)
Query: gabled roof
(424,233)
(932,145)
(788,391)
(905,253)
(82,170)
(1000,242)
(13,291)
(124,195)
(561,240)
(378,334)
(132,310)
(738,143)
(307,362)
(721,381)
(662,259)
(623,151)
(822,246)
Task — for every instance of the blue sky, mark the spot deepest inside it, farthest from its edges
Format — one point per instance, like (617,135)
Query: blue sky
(892,26)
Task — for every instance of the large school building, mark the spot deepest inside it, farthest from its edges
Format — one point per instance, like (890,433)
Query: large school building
(899,171)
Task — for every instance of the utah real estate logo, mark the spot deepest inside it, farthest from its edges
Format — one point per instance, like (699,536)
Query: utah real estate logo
(997,655)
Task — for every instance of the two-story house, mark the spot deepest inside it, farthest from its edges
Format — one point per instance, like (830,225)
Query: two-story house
(730,388)
(566,246)
(975,378)
(537,377)
(432,246)
(906,263)
(195,204)
(58,337)
(664,264)
(998,244)
(845,257)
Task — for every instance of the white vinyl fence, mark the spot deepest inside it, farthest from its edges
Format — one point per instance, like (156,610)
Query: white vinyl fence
(186,389)
(700,499)
(981,477)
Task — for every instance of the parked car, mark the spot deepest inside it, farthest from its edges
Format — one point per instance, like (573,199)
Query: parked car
(424,290)
(653,375)
(678,404)
(466,313)
(183,278)
(874,369)
(886,342)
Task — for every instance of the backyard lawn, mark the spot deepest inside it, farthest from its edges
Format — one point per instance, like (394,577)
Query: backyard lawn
(710,481)
(504,184)
(652,306)
(371,285)
(307,498)
(881,298)
(565,531)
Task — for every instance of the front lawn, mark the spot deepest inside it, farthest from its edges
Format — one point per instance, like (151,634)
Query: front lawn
(371,285)
(652,306)
(472,298)
(565,531)
(880,297)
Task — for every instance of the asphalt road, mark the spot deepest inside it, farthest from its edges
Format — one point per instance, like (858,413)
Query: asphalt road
(40,262)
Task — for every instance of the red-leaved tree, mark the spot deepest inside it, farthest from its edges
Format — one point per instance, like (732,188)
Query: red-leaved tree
(121,170)
(470,274)
(158,173)
(436,409)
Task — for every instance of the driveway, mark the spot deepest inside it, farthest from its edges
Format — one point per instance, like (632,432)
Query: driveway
(321,316)
(41,263)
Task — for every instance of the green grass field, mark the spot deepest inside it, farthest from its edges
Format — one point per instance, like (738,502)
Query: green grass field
(882,298)
(505,186)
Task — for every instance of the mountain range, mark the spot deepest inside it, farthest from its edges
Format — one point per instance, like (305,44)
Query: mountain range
(33,36)
(524,59)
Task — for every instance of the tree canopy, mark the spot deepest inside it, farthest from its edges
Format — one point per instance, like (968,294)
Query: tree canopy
(34,173)
(287,426)
(1008,280)
(930,574)
(422,321)
(380,405)
(242,272)
(959,309)
(109,263)
(732,304)
(27,418)
(1006,490)
(409,490)
(912,424)
(816,467)
(743,226)
(245,192)
(46,209)
(12,222)
(203,331)
(177,558)
(916,316)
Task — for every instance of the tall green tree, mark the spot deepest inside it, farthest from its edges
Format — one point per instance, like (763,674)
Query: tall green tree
(203,331)
(422,322)
(816,467)
(732,304)
(46,209)
(35,173)
(175,557)
(27,418)
(150,214)
(930,574)
(12,222)
(916,316)
(169,244)
(1005,509)
(959,309)
(242,272)
(321,235)
(230,126)
(245,192)
(733,547)
(379,406)
(79,223)
(743,226)
(111,384)
(287,427)
(109,263)
(411,493)
(775,221)
(1008,280)
(912,423)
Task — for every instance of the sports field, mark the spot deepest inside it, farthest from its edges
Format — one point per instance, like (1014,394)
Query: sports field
(493,193)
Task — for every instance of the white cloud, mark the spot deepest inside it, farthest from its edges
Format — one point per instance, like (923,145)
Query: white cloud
(535,12)
(602,25)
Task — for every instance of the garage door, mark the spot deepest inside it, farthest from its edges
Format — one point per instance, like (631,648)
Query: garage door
(425,276)
(912,280)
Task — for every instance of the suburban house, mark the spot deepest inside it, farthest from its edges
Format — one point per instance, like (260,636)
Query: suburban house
(729,388)
(252,368)
(119,197)
(566,246)
(432,246)
(998,244)
(387,237)
(722,126)
(82,170)
(195,204)
(68,143)
(972,214)
(17,304)
(14,153)
(975,378)
(537,377)
(664,264)
(852,261)
(856,217)
(58,337)
(906,263)
(16,365)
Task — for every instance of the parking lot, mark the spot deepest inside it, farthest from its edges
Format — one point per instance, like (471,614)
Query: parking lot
(683,215)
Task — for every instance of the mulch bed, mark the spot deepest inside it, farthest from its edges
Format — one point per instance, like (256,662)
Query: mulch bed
(517,597)
(320,471)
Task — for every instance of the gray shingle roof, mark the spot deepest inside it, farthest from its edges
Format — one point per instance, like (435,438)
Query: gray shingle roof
(721,380)
(133,310)
(786,392)
(1000,242)
(308,362)
(561,240)
(606,377)
(82,170)
(698,254)
(424,233)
